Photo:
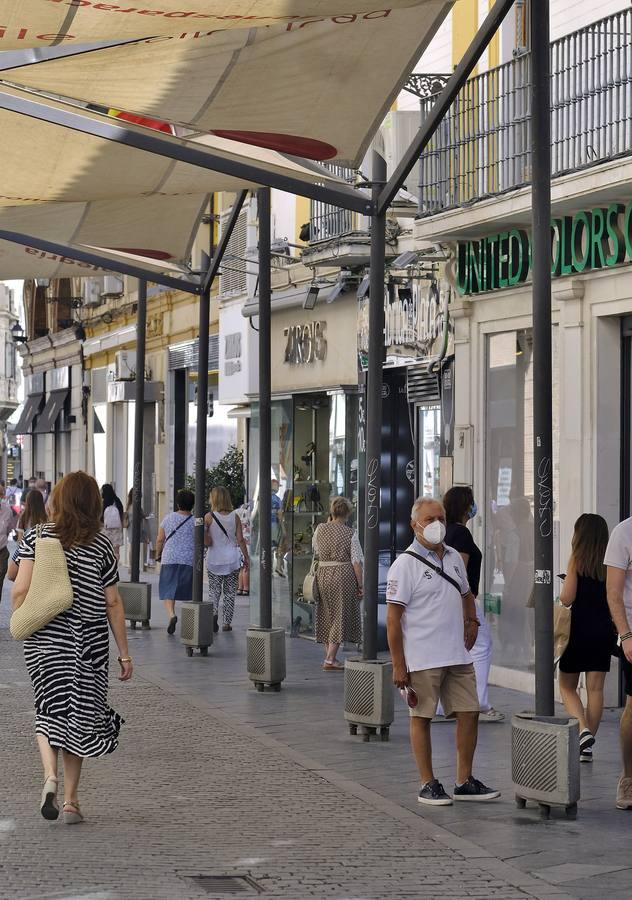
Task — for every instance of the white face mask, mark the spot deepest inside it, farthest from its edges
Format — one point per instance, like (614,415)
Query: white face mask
(434,533)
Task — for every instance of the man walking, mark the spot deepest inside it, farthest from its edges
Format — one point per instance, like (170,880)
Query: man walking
(8,522)
(618,559)
(432,625)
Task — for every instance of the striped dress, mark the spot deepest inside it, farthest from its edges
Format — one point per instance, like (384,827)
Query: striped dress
(68,658)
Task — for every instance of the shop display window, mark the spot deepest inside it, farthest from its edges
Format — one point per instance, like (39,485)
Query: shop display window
(314,457)
(509,494)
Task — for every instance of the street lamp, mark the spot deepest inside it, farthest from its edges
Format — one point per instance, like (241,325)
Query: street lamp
(17,334)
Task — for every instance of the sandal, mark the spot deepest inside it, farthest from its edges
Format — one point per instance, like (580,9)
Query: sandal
(335,666)
(49,807)
(72,813)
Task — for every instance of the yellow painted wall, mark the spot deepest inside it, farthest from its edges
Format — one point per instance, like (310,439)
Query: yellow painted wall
(303,212)
(464,27)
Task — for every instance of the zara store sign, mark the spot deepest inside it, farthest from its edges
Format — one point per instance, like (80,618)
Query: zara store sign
(305,343)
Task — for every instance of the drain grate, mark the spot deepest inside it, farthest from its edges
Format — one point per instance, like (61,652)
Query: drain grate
(225,884)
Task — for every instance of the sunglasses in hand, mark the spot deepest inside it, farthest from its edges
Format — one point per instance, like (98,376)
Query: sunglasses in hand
(409,696)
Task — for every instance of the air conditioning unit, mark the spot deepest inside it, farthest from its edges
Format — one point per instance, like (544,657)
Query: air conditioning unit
(196,626)
(265,657)
(545,762)
(92,292)
(369,697)
(125,365)
(136,597)
(112,287)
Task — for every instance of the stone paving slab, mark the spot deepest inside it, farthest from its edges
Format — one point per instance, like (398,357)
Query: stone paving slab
(192,792)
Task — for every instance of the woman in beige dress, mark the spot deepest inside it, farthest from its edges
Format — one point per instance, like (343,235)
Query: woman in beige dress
(339,583)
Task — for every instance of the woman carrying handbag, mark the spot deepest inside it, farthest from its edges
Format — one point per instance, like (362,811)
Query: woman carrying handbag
(227,554)
(66,649)
(592,638)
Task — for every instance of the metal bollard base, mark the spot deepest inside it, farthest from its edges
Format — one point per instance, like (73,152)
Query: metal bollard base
(265,653)
(369,697)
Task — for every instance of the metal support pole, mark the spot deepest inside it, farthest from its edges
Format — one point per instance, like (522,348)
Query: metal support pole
(265,428)
(139,417)
(374,414)
(542,354)
(200,443)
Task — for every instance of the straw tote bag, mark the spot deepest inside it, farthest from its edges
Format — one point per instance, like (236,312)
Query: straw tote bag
(310,590)
(50,592)
(561,630)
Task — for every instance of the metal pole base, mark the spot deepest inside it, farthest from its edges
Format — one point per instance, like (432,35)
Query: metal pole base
(196,626)
(265,653)
(545,762)
(369,697)
(136,597)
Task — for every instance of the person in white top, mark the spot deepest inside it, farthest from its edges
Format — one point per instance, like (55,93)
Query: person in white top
(432,625)
(618,560)
(227,553)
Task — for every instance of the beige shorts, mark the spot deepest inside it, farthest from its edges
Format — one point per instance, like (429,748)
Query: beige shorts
(455,686)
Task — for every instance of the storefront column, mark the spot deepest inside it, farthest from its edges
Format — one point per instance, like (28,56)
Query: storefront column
(462,472)
(571,490)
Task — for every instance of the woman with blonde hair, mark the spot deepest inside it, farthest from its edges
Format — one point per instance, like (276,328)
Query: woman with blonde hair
(338,583)
(68,658)
(227,554)
(592,637)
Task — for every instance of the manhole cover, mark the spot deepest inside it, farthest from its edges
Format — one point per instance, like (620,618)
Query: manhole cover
(225,884)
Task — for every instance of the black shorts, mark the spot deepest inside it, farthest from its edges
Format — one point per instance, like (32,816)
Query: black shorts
(626,668)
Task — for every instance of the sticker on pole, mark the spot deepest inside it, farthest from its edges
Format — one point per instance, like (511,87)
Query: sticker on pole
(542,576)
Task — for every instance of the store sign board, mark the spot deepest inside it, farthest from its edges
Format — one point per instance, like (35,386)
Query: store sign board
(589,240)
(238,355)
(416,320)
(305,343)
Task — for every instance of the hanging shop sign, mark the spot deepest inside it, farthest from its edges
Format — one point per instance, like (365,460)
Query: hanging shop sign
(592,239)
(416,321)
(305,343)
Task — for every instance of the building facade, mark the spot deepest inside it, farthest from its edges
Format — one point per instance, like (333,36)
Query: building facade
(475,203)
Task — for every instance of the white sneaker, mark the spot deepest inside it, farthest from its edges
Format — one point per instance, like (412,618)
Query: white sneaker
(491,715)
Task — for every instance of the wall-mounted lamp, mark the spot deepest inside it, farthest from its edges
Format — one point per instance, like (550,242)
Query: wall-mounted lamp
(17,334)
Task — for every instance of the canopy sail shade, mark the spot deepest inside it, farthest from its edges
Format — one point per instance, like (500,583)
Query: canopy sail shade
(41,23)
(316,91)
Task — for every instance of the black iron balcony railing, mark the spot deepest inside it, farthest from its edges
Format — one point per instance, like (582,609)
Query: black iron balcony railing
(482,147)
(326,221)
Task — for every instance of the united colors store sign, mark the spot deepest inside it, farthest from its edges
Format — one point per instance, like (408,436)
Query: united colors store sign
(593,239)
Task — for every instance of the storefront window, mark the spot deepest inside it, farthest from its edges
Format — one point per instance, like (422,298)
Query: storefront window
(510,493)
(282,472)
(429,442)
(314,457)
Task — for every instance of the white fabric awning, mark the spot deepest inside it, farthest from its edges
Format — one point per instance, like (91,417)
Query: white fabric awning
(317,91)
(265,86)
(41,23)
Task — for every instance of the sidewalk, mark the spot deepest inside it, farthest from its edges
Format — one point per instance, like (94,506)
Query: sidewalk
(213,778)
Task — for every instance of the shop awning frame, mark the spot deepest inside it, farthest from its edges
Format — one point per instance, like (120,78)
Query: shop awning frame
(32,406)
(48,417)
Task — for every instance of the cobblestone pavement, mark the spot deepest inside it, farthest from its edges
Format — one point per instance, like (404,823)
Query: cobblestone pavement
(191,792)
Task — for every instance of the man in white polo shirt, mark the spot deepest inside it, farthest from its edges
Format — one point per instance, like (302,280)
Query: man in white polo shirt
(432,625)
(618,559)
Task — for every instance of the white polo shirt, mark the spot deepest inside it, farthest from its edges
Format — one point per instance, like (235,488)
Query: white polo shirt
(432,623)
(619,556)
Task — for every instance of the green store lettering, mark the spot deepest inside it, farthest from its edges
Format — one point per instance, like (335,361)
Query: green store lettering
(589,240)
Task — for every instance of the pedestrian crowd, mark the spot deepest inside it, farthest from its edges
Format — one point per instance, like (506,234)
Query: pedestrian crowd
(65,597)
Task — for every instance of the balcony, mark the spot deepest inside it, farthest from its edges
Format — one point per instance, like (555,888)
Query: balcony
(336,235)
(482,147)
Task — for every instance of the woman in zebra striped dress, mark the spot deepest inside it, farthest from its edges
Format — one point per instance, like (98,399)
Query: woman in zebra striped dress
(68,658)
